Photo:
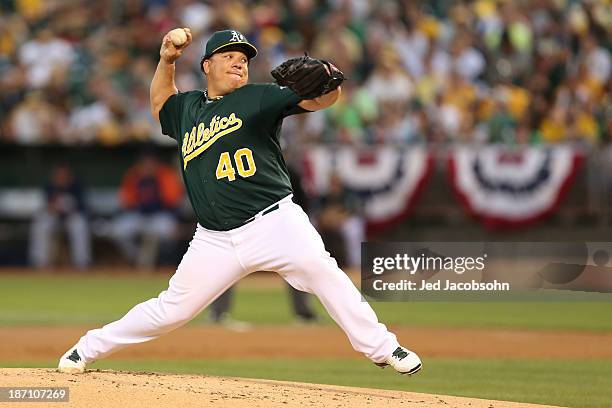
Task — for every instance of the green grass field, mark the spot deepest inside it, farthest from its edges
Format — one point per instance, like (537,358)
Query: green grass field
(34,300)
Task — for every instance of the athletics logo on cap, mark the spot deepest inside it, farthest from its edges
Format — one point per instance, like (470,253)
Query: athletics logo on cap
(236,36)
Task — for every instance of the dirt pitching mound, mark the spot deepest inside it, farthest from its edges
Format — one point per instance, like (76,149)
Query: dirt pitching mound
(97,388)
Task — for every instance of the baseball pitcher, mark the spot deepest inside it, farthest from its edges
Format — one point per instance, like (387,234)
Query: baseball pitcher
(228,143)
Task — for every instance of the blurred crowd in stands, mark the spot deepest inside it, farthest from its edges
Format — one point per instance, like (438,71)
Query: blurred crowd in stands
(510,71)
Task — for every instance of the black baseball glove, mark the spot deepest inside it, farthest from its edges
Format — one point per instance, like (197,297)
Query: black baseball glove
(308,77)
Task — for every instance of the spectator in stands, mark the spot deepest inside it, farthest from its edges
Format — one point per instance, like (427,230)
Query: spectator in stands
(56,52)
(467,60)
(36,121)
(64,207)
(596,58)
(352,115)
(336,41)
(501,124)
(554,126)
(389,83)
(583,127)
(150,195)
(456,105)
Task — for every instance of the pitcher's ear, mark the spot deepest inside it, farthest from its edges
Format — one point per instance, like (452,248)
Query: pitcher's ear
(204,62)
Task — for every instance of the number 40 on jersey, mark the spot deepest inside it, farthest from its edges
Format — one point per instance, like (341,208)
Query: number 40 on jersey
(244,163)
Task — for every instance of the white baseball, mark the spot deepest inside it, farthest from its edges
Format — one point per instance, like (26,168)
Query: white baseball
(178,37)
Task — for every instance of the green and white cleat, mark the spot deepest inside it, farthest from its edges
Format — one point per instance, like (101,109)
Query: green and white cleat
(404,361)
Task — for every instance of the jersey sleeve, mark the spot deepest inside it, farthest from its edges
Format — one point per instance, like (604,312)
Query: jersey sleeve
(171,113)
(278,102)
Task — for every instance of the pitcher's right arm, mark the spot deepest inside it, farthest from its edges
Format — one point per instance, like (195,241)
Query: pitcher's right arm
(162,85)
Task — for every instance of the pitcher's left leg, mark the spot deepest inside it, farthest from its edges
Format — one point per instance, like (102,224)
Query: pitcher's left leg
(297,253)
(312,269)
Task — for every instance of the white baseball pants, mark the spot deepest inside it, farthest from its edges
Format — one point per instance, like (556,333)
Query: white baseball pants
(283,241)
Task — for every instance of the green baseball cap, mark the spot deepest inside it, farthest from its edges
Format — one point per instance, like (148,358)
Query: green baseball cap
(229,38)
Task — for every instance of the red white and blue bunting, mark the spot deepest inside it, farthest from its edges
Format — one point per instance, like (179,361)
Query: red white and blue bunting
(387,179)
(508,188)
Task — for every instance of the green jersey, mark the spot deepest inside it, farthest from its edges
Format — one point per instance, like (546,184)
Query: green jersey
(229,150)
